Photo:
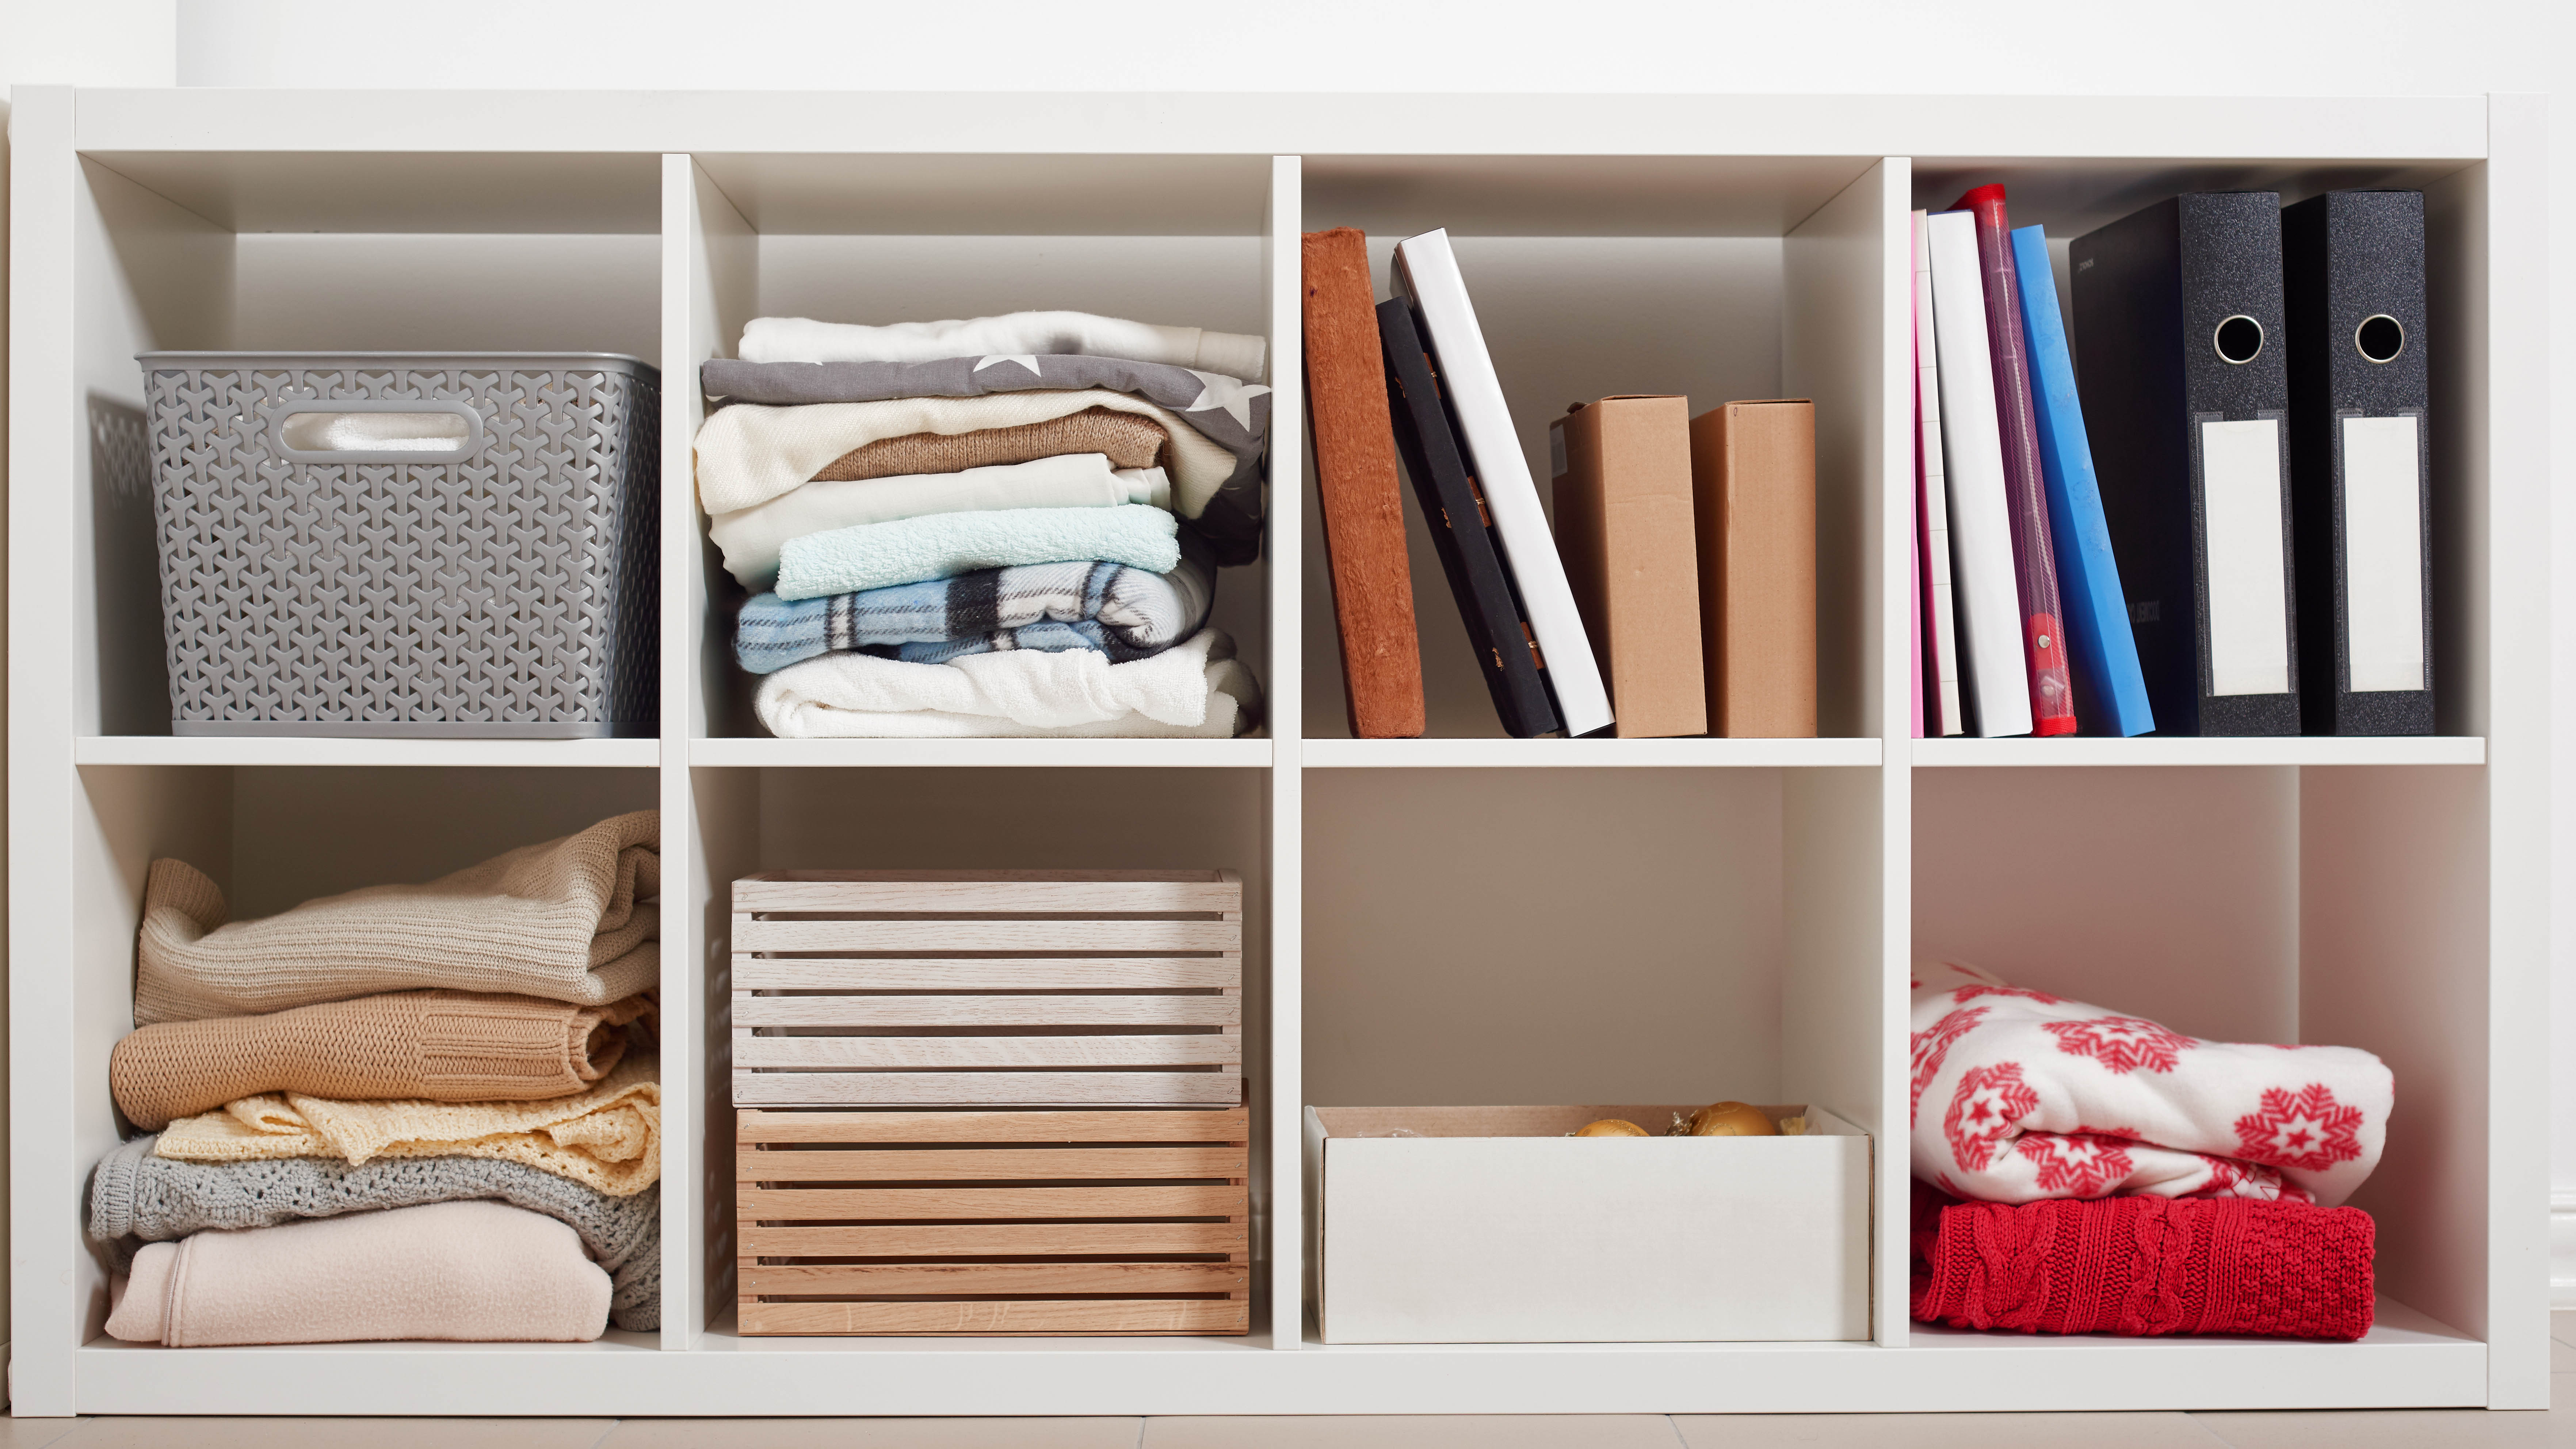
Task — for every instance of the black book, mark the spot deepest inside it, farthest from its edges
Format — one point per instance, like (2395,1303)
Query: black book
(1427,438)
(2353,264)
(2181,348)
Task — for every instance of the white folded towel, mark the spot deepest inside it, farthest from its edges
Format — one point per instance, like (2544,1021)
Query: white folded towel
(801,339)
(1196,689)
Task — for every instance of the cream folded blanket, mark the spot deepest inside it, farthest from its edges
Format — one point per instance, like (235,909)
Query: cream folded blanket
(445,1046)
(801,339)
(475,1272)
(748,454)
(609,1137)
(569,920)
(751,537)
(1196,689)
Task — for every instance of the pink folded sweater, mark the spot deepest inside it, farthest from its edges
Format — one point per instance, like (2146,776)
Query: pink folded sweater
(481,1272)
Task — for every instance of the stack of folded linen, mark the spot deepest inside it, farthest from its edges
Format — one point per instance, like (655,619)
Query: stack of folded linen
(1004,526)
(2050,1120)
(407,1112)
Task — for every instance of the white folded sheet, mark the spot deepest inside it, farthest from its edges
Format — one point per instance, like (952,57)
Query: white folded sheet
(1195,690)
(801,339)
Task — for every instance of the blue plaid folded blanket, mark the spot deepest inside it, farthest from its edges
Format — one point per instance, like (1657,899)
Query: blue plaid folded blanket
(1117,609)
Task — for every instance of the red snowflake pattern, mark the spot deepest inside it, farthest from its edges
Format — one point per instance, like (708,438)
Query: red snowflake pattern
(2231,1178)
(1986,1111)
(2122,1044)
(1967,994)
(2078,1164)
(1932,1048)
(2306,1129)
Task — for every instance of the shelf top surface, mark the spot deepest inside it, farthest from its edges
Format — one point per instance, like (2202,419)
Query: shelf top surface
(2149,750)
(1185,123)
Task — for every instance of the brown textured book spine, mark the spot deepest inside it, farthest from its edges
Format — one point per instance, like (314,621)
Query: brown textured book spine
(1356,486)
(1623,528)
(1753,467)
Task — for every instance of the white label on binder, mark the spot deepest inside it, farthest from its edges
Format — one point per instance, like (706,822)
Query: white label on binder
(2249,624)
(2383,542)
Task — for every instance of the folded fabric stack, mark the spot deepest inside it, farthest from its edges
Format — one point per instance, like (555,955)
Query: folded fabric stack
(1004,526)
(407,1112)
(2024,1098)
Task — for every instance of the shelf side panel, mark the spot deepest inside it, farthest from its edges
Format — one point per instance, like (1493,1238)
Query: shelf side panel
(716,821)
(710,289)
(1283,283)
(1843,341)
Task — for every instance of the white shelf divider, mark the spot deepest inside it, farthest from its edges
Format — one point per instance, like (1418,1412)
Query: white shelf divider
(1594,754)
(620,754)
(2086,750)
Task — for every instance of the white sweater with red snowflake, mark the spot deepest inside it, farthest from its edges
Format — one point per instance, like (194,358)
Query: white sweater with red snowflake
(2019,1096)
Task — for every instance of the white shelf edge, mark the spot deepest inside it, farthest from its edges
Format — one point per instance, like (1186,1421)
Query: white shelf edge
(1112,754)
(1590,754)
(2283,750)
(2401,1364)
(632,754)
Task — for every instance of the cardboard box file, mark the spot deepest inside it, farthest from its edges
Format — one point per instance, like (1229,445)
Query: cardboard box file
(1753,466)
(1491,1226)
(1623,527)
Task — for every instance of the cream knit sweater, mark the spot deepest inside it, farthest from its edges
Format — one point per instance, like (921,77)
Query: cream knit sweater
(748,454)
(480,1272)
(569,920)
(609,1137)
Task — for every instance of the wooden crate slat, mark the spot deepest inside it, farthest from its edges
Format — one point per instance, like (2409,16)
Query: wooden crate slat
(983,973)
(990,1240)
(1220,1088)
(791,1204)
(1173,896)
(1002,936)
(1004,1316)
(995,1011)
(756,1164)
(1233,1124)
(983,1278)
(965,1052)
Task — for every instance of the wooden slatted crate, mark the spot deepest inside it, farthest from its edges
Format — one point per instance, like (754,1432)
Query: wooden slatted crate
(994,1223)
(988,988)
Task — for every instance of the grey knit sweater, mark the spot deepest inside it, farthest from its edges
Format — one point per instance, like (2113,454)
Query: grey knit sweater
(135,1197)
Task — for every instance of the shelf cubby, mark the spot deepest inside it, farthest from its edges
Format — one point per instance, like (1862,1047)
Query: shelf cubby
(1461,918)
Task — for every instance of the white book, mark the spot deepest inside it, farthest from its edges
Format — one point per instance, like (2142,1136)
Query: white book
(1940,626)
(1426,272)
(1997,678)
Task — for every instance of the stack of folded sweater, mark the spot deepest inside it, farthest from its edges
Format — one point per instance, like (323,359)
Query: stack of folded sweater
(2100,1173)
(1005,526)
(408,1112)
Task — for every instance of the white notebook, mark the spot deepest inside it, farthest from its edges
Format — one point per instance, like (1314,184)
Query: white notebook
(1426,272)
(1941,641)
(1997,677)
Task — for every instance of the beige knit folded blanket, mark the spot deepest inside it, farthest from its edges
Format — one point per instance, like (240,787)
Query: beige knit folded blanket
(609,1137)
(477,1272)
(569,920)
(443,1046)
(1128,440)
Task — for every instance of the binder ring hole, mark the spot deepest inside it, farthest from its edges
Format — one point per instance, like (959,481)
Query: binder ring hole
(2239,339)
(2380,337)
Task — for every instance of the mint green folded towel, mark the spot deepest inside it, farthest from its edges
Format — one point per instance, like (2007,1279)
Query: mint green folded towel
(916,550)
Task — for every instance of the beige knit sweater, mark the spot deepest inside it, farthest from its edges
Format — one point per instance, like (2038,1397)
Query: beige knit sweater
(609,1137)
(569,920)
(443,1046)
(1128,441)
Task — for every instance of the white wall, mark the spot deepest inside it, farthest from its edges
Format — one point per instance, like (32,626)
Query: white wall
(2176,47)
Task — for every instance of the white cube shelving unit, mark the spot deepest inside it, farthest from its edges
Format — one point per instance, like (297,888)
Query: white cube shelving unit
(1458,919)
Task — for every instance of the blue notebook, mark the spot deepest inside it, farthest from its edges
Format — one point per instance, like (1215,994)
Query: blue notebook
(2110,689)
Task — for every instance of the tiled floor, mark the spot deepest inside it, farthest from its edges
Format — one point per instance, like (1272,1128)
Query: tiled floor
(2394,1429)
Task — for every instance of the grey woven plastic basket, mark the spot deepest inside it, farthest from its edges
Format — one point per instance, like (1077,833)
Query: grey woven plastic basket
(484,562)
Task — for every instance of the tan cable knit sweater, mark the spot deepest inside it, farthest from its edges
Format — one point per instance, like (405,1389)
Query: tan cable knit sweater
(569,920)
(609,1137)
(443,1046)
(1128,440)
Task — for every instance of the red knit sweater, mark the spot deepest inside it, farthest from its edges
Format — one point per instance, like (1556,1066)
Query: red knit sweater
(2142,1266)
